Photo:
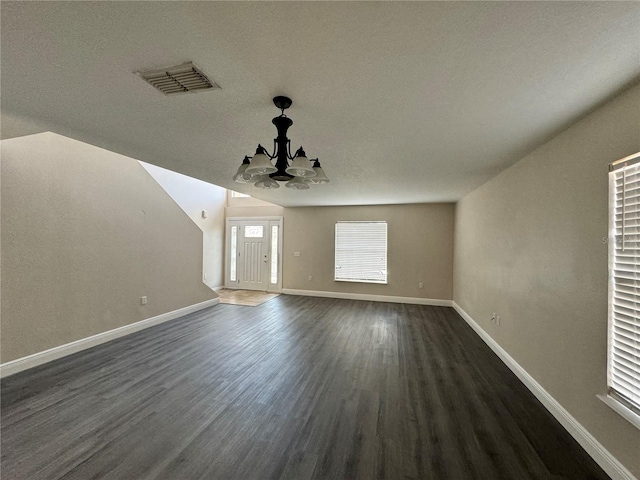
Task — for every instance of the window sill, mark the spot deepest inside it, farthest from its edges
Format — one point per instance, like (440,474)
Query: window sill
(620,409)
(379,282)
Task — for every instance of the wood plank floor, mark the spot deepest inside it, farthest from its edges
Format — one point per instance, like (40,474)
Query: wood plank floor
(297,388)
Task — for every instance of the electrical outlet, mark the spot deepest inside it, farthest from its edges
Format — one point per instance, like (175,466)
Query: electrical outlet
(296,254)
(310,277)
(421,285)
(204,277)
(498,320)
(143,300)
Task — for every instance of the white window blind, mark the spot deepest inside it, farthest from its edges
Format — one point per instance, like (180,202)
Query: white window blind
(623,372)
(361,252)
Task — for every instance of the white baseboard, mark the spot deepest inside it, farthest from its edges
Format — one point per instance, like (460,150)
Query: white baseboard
(30,361)
(373,298)
(601,455)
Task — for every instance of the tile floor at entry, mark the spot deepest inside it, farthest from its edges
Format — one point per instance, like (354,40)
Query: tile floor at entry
(249,298)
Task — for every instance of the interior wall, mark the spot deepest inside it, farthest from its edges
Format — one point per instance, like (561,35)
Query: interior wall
(194,196)
(85,234)
(419,244)
(274,211)
(531,245)
(251,207)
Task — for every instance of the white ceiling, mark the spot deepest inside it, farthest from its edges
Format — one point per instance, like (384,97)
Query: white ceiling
(402,102)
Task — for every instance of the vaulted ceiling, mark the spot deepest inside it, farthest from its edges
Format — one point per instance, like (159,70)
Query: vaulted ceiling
(402,102)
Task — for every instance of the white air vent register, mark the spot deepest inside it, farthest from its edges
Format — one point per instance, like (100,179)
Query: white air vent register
(184,78)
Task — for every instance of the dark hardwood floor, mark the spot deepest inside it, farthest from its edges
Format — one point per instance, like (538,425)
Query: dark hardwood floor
(297,388)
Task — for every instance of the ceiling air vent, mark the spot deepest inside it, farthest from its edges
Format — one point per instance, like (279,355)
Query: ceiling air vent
(185,78)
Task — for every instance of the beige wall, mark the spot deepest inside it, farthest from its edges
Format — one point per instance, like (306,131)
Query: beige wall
(530,245)
(420,249)
(85,234)
(420,246)
(193,196)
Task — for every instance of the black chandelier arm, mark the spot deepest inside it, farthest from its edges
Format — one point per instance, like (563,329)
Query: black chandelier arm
(299,152)
(289,156)
(275,150)
(266,152)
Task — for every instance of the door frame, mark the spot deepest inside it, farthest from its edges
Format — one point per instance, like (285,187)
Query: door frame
(272,220)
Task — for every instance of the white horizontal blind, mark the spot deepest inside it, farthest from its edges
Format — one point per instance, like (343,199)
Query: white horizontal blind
(623,372)
(361,252)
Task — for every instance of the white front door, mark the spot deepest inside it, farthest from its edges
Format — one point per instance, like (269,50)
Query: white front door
(254,258)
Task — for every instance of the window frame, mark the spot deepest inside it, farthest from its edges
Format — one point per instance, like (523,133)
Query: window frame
(620,402)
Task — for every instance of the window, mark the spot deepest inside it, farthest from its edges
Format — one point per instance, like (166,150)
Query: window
(235,194)
(253,231)
(274,254)
(361,252)
(623,366)
(233,257)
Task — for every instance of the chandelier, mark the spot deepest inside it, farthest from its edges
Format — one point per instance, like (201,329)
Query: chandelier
(260,171)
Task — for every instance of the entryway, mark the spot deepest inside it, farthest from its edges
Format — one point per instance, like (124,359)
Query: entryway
(248,298)
(253,258)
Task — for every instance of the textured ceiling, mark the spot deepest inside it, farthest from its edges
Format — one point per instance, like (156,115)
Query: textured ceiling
(402,102)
